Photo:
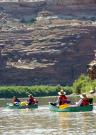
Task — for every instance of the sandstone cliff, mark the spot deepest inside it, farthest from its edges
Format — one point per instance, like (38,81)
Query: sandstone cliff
(54,49)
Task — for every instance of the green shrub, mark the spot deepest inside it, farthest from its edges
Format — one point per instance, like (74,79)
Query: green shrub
(24,91)
(83,84)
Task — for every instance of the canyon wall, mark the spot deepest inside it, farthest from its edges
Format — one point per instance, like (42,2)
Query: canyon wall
(54,49)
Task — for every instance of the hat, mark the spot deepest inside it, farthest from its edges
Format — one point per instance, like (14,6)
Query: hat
(91,91)
(61,92)
(29,95)
(83,95)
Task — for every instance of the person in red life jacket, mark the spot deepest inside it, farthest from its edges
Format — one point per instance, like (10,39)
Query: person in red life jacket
(62,99)
(32,100)
(15,100)
(84,101)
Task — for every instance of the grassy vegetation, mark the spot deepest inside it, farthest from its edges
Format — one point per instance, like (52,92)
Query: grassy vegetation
(23,91)
(83,84)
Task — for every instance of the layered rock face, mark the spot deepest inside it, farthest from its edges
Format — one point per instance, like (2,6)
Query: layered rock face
(54,49)
(65,2)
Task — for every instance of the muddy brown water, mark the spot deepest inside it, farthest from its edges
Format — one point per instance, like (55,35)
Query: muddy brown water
(42,121)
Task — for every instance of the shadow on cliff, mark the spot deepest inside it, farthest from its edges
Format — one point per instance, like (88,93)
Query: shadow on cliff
(51,75)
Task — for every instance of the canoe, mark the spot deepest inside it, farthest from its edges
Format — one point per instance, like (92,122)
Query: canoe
(70,108)
(17,106)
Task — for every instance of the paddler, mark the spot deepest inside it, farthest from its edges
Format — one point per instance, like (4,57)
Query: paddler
(15,100)
(31,100)
(62,99)
(84,101)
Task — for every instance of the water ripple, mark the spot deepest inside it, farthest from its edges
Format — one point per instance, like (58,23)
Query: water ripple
(43,122)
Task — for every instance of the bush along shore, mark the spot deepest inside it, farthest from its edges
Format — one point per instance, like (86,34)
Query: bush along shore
(24,91)
(81,85)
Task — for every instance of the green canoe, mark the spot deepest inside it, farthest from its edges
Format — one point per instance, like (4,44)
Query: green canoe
(12,106)
(71,108)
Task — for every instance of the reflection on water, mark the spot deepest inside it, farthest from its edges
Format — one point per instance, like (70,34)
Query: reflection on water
(43,122)
(78,123)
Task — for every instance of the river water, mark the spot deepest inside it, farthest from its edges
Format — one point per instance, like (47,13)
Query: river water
(42,121)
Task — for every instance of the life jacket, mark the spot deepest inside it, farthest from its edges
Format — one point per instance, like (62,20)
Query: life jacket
(31,101)
(85,102)
(62,99)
